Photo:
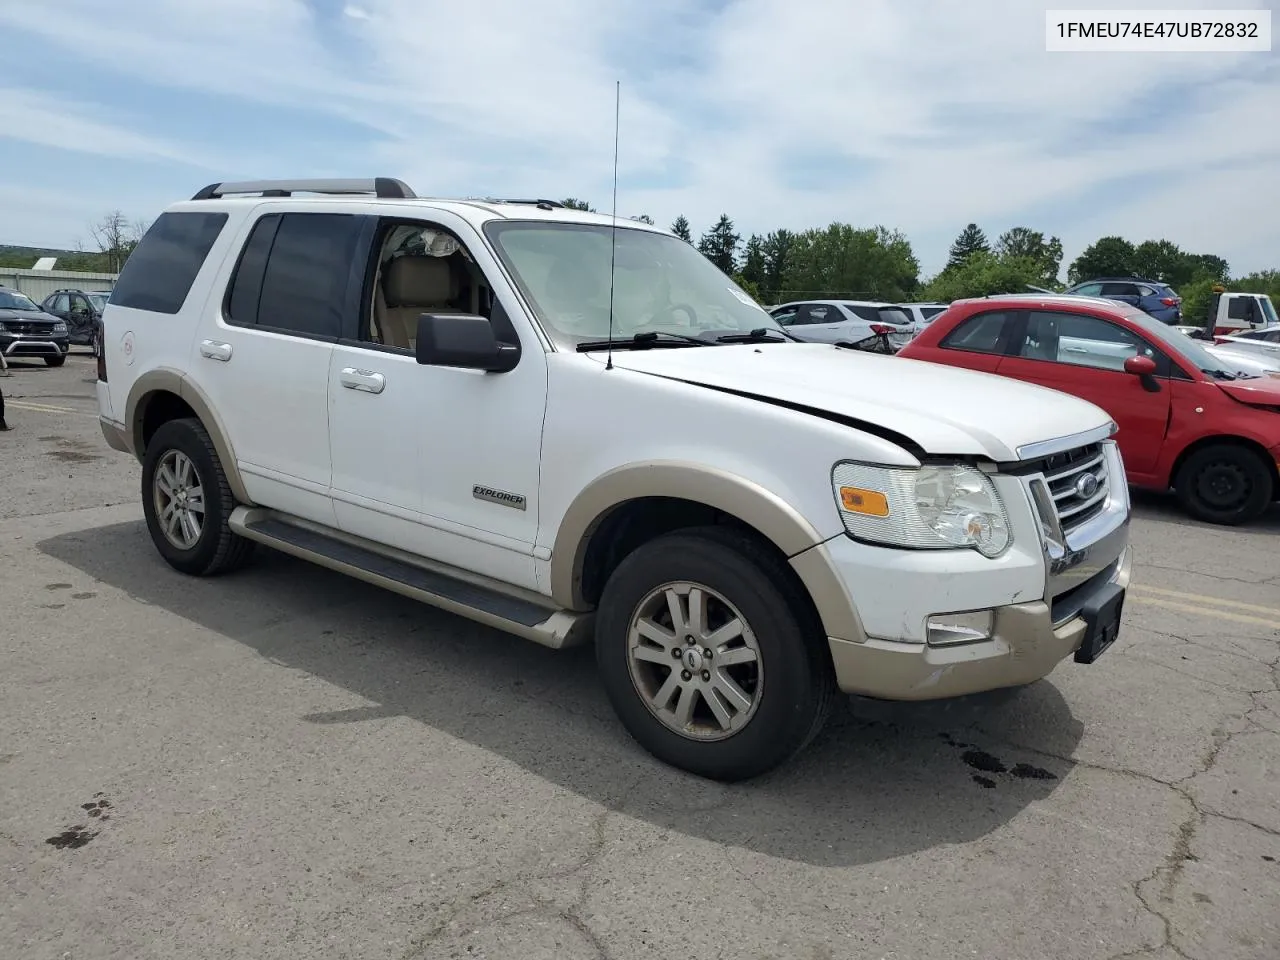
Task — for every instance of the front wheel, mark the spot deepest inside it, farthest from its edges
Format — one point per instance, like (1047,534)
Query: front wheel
(55,361)
(188,502)
(709,657)
(1224,484)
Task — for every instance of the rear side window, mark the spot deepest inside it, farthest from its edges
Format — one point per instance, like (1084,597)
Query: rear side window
(292,275)
(159,273)
(1239,308)
(978,334)
(930,312)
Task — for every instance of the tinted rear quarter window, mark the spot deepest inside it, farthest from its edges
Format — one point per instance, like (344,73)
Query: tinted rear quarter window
(978,334)
(305,281)
(159,273)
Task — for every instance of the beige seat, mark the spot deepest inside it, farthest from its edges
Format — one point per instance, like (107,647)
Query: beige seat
(412,286)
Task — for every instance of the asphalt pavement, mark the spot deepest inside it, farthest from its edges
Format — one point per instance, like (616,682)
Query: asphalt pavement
(285,763)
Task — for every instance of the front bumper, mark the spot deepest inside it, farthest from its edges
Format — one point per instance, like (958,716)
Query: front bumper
(876,603)
(1025,646)
(14,345)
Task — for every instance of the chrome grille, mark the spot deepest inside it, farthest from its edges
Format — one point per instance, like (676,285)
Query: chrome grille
(28,327)
(1077,481)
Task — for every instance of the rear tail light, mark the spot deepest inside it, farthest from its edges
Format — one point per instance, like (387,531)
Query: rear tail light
(1170,301)
(102,359)
(880,329)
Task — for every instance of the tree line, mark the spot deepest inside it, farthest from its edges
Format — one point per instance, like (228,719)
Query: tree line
(112,239)
(841,261)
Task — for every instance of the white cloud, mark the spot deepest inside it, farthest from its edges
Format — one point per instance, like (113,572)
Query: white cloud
(940,112)
(34,117)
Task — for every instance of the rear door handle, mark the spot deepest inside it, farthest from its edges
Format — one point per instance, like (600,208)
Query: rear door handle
(215,350)
(364,380)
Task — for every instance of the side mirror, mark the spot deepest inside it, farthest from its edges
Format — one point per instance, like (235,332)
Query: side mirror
(463,340)
(1140,366)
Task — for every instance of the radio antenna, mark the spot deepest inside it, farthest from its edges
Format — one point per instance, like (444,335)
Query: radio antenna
(613,235)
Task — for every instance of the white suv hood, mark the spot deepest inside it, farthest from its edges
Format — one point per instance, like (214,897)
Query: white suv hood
(946,410)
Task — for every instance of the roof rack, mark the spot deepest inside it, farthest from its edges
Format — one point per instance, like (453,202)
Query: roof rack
(385,187)
(548,204)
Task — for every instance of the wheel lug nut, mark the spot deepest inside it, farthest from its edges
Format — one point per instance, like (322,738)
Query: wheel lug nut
(707,653)
(685,675)
(676,653)
(706,675)
(689,641)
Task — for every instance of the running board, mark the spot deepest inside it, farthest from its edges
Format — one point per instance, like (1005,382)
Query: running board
(421,580)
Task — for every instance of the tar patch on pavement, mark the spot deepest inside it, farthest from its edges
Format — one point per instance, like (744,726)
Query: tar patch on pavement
(986,763)
(73,838)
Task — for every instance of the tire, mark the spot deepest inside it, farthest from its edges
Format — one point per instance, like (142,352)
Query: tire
(790,684)
(181,456)
(55,361)
(1224,483)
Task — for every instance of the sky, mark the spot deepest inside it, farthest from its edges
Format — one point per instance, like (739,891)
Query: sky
(921,116)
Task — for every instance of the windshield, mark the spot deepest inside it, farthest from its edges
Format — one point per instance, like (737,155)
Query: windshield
(13,300)
(1268,310)
(661,283)
(99,301)
(1176,342)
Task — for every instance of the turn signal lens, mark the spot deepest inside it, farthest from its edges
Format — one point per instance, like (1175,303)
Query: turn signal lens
(870,503)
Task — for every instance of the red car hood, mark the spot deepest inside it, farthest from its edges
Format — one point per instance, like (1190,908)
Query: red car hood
(1260,391)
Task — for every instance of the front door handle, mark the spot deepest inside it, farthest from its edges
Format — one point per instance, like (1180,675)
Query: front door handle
(215,350)
(365,380)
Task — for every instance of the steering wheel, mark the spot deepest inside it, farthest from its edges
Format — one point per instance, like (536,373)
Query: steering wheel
(670,310)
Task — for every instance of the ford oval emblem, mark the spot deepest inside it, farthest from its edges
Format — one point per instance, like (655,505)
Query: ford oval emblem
(1086,486)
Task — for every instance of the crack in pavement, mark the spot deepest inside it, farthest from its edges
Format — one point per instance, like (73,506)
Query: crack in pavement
(1207,576)
(572,914)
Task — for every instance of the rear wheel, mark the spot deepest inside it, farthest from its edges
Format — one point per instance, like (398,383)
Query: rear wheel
(708,656)
(188,502)
(1224,483)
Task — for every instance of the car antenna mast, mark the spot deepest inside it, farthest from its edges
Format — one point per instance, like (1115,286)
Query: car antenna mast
(613,237)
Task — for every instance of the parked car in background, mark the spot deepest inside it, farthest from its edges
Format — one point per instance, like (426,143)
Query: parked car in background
(1156,299)
(1185,420)
(850,321)
(1265,341)
(81,310)
(27,331)
(921,314)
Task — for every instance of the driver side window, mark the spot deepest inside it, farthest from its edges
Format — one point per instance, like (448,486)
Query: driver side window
(421,267)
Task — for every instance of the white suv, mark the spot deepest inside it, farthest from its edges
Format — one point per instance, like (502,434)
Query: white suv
(425,394)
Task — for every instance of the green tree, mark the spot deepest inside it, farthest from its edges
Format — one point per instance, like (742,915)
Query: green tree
(1161,260)
(115,237)
(1023,243)
(971,240)
(1109,257)
(681,229)
(845,262)
(776,249)
(574,204)
(720,244)
(982,274)
(645,218)
(753,261)
(1208,266)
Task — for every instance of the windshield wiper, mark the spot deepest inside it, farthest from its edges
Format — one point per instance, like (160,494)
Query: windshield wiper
(758,335)
(644,341)
(1221,374)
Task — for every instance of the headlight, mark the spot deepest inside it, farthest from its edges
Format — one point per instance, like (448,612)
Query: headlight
(59,327)
(3,328)
(926,508)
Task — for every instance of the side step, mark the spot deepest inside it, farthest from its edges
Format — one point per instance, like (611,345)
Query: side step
(418,580)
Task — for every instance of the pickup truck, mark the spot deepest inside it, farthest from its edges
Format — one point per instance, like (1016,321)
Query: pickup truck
(578,430)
